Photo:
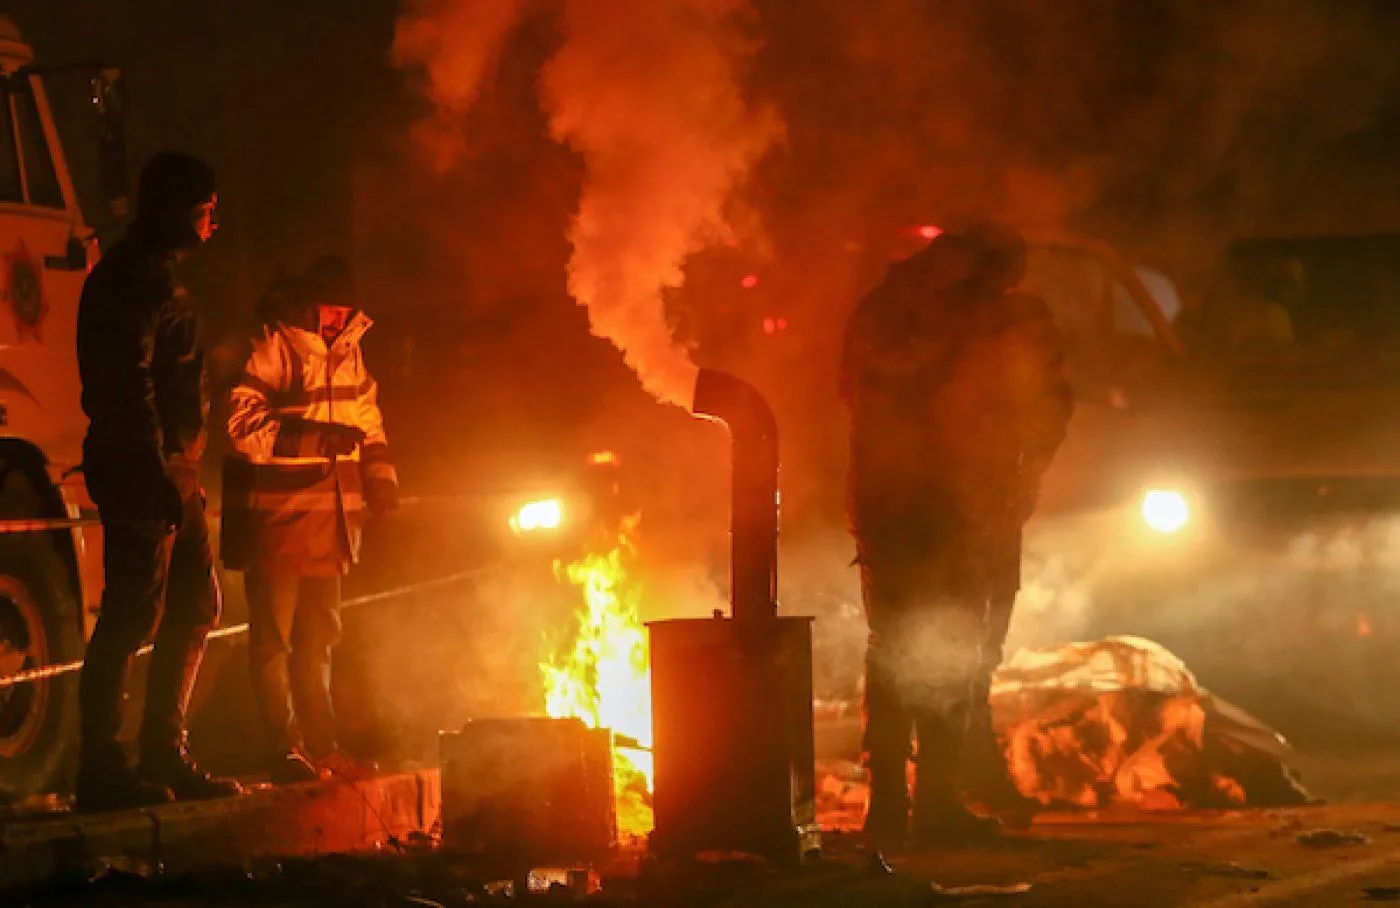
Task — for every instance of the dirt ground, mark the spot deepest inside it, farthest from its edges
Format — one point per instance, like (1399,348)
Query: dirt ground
(1316,856)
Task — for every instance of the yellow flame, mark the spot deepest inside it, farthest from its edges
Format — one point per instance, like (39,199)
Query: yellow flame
(603,677)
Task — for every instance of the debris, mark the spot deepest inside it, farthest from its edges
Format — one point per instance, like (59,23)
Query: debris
(501,889)
(979,891)
(1231,869)
(1329,838)
(878,865)
(1381,893)
(716,856)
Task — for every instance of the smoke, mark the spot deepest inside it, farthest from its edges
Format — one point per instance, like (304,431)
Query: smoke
(650,95)
(458,45)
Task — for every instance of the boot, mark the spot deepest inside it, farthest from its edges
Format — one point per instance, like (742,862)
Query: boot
(953,824)
(939,814)
(171,765)
(995,792)
(105,785)
(292,768)
(986,779)
(886,824)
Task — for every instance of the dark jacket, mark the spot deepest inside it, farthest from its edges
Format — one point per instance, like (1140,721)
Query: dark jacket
(142,373)
(958,402)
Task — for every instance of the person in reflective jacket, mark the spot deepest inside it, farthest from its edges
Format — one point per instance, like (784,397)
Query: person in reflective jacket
(312,457)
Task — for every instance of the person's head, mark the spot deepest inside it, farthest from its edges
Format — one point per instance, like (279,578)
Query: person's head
(177,201)
(999,254)
(279,302)
(329,291)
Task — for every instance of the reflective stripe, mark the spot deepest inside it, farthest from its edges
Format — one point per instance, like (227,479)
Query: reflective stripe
(303,397)
(379,469)
(251,382)
(306,500)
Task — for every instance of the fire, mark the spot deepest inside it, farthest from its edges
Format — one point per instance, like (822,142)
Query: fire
(603,675)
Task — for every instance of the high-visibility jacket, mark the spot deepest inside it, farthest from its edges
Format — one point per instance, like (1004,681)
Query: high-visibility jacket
(287,507)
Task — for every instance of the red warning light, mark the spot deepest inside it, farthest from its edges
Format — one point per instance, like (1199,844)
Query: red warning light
(782,324)
(769,326)
(930,232)
(749,281)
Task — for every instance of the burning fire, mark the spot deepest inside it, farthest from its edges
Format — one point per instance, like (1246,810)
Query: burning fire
(603,676)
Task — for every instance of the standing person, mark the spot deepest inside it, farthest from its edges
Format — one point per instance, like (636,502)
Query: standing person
(958,403)
(142,372)
(305,417)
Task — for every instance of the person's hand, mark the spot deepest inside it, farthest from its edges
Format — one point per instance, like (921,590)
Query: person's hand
(382,496)
(340,440)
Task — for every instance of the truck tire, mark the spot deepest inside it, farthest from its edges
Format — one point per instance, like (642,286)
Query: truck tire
(39,625)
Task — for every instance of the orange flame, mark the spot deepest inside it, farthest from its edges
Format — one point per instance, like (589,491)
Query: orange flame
(604,677)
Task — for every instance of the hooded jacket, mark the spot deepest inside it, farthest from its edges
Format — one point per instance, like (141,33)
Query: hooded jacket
(139,358)
(958,397)
(301,508)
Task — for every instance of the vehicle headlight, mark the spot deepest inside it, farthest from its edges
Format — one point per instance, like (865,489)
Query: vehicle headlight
(534,516)
(1165,510)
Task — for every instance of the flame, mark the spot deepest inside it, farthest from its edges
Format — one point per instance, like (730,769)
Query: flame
(603,675)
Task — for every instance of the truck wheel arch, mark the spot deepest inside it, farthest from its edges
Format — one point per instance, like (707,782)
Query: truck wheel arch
(41,622)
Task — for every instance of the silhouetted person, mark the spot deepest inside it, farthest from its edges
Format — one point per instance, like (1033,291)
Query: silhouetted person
(142,376)
(958,403)
(305,417)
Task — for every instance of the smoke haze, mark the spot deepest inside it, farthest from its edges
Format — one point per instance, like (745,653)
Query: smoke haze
(650,96)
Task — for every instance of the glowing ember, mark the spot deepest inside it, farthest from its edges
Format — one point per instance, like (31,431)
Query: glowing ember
(603,676)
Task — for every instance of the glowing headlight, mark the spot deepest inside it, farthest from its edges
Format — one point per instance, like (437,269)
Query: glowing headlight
(1165,510)
(545,514)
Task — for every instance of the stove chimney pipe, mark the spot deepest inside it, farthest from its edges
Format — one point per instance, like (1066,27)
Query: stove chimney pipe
(734,752)
(754,515)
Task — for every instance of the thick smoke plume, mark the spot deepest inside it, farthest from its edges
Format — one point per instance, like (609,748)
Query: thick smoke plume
(649,94)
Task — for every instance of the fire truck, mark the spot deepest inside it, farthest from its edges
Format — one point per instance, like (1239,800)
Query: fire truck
(50,555)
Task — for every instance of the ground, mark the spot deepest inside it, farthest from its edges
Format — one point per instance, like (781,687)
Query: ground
(1209,859)
(1203,859)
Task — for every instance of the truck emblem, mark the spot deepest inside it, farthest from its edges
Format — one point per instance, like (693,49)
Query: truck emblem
(26,292)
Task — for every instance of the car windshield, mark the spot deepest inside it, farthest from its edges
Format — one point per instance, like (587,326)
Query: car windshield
(1329,304)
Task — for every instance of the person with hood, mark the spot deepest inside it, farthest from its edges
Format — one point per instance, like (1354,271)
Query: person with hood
(142,373)
(958,402)
(312,456)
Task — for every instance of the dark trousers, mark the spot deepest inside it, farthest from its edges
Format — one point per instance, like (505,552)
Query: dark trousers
(984,764)
(157,583)
(920,680)
(294,622)
(938,605)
